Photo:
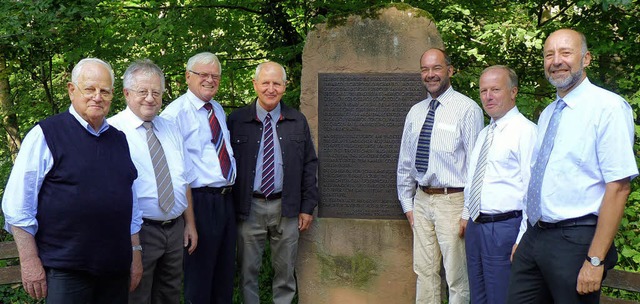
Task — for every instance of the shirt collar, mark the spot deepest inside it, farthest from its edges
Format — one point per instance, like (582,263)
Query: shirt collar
(86,125)
(445,97)
(261,113)
(573,98)
(504,120)
(197,102)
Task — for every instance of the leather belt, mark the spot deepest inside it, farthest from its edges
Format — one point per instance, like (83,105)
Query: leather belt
(272,196)
(490,218)
(587,220)
(218,190)
(160,223)
(428,190)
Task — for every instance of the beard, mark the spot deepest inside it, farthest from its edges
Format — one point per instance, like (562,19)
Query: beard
(563,84)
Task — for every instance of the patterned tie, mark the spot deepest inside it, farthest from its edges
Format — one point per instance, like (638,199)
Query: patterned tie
(217,139)
(268,160)
(537,173)
(478,176)
(166,199)
(422,153)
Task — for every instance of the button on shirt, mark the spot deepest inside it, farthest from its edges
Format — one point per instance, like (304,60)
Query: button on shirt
(458,120)
(28,173)
(506,176)
(189,114)
(180,167)
(275,116)
(593,146)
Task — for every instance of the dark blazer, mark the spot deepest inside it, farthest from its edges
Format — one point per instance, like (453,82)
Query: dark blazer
(300,163)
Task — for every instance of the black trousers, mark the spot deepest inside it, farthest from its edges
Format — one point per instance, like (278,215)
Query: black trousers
(210,270)
(547,262)
(75,287)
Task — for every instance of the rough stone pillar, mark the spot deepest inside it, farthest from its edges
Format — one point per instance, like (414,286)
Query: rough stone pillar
(344,260)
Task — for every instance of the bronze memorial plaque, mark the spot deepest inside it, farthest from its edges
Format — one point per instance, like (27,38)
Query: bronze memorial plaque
(361,117)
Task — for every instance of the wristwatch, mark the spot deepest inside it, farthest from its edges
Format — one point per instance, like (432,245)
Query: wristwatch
(136,248)
(595,261)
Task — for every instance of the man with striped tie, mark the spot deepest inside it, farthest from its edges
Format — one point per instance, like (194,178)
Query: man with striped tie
(208,271)
(580,181)
(162,186)
(439,133)
(496,185)
(276,191)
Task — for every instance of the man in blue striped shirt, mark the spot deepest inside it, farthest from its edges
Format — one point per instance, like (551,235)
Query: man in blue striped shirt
(439,134)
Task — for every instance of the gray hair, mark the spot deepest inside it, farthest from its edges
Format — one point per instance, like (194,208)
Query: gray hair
(144,67)
(204,58)
(75,73)
(259,68)
(513,77)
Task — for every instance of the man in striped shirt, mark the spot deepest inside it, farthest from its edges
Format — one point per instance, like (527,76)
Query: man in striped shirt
(439,134)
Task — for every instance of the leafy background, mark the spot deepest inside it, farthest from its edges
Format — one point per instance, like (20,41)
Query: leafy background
(40,41)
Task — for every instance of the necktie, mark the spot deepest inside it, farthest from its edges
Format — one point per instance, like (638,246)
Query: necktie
(478,176)
(166,199)
(217,139)
(424,141)
(268,160)
(537,172)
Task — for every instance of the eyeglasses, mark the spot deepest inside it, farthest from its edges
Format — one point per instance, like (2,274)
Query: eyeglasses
(145,93)
(90,92)
(215,77)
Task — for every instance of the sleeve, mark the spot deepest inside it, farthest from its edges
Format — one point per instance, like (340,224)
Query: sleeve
(309,174)
(614,146)
(136,213)
(406,184)
(20,201)
(526,146)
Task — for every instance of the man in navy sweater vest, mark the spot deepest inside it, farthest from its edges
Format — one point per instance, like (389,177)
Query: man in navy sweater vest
(69,200)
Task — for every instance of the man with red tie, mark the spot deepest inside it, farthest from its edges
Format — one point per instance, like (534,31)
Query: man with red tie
(210,269)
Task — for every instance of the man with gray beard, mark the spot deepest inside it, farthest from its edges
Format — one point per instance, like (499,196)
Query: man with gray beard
(579,183)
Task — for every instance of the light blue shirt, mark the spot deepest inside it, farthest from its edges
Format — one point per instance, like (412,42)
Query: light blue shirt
(593,146)
(189,114)
(34,161)
(180,167)
(275,116)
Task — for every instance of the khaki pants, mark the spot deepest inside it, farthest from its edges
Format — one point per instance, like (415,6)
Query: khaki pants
(436,220)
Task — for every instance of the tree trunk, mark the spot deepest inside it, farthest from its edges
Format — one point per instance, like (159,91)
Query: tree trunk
(9,118)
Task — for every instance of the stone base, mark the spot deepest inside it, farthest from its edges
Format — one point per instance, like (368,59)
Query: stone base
(356,261)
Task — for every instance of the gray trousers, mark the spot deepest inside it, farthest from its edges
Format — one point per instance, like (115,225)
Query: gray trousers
(265,221)
(162,264)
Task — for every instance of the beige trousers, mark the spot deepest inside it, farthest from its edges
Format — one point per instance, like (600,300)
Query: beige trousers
(436,223)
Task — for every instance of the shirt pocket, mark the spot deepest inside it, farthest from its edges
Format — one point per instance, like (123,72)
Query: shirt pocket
(444,138)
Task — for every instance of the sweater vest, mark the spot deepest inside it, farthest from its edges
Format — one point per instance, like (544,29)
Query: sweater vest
(85,202)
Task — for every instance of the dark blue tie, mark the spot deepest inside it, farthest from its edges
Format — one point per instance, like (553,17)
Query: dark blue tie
(424,142)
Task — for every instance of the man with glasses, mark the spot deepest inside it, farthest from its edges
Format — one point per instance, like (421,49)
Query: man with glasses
(209,270)
(162,187)
(69,200)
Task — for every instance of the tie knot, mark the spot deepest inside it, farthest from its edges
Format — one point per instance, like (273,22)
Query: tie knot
(561,104)
(434,104)
(147,125)
(268,117)
(208,106)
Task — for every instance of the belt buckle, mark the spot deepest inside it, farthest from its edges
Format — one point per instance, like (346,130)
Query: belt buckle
(167,222)
(225,190)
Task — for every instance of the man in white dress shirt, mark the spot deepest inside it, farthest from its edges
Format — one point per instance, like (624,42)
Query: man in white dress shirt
(208,272)
(579,183)
(496,185)
(439,133)
(165,229)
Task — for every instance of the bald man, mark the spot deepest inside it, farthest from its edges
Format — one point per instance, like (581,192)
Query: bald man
(579,183)
(276,189)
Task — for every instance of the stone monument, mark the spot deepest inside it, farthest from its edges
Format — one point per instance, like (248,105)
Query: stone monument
(359,80)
